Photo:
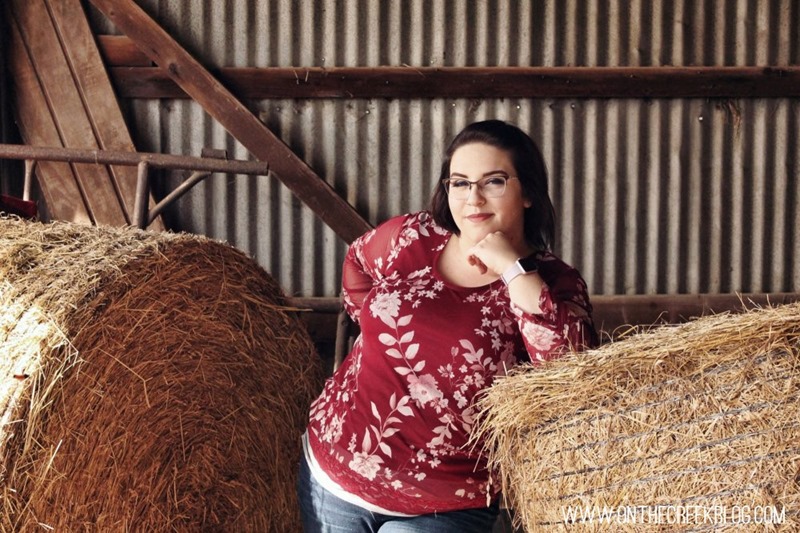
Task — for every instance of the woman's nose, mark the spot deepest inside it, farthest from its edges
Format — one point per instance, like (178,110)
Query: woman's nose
(475,195)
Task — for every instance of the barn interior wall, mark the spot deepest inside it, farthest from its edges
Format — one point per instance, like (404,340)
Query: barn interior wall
(652,196)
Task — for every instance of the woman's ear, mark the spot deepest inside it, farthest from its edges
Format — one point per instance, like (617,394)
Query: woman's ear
(527,203)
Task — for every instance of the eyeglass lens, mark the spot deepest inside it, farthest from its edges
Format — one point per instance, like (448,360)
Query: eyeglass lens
(490,186)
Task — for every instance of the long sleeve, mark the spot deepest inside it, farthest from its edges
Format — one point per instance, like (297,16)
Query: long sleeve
(565,321)
(365,263)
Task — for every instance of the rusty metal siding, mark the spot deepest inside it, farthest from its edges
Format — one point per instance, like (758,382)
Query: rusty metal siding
(652,196)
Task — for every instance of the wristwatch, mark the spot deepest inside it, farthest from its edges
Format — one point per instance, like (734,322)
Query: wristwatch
(523,265)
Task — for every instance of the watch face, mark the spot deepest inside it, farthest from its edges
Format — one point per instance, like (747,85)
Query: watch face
(529,264)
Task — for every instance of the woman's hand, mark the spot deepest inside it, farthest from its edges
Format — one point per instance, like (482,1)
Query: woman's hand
(494,253)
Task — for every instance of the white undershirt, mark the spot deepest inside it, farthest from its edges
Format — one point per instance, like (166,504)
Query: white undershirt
(331,486)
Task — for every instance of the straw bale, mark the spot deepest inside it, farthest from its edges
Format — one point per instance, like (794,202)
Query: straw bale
(148,382)
(692,427)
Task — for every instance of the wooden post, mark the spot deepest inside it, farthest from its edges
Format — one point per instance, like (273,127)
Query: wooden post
(142,190)
(30,165)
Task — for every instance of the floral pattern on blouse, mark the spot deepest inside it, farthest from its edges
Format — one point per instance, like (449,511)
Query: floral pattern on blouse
(392,424)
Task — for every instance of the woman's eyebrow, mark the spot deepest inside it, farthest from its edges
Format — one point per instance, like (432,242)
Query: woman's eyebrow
(490,173)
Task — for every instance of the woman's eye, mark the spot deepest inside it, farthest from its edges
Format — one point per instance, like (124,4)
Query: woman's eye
(459,184)
(494,180)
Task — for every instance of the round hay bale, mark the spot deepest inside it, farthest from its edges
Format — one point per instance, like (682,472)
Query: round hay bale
(694,427)
(148,382)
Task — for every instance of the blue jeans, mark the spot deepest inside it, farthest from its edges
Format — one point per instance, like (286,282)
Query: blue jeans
(322,512)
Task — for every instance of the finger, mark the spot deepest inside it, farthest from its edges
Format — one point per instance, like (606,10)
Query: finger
(476,262)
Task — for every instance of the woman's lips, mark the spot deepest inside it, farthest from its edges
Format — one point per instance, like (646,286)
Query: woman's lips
(478,217)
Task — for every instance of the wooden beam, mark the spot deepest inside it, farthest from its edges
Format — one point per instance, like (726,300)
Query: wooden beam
(458,82)
(119,50)
(477,82)
(67,106)
(613,315)
(64,97)
(492,82)
(59,188)
(221,104)
(100,102)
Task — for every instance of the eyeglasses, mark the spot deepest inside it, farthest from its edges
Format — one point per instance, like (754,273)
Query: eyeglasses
(489,186)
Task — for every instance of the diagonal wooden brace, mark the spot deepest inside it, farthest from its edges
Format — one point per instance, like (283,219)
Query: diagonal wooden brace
(221,104)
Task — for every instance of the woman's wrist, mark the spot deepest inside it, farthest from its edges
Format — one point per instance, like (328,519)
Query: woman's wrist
(520,267)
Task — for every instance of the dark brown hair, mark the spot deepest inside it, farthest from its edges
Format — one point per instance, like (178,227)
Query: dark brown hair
(539,218)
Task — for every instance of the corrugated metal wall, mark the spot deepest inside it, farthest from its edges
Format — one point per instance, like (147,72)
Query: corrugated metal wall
(659,196)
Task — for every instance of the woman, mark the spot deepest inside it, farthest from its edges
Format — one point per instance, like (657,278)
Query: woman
(446,300)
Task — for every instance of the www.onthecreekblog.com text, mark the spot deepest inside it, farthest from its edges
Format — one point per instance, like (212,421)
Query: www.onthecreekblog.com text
(686,515)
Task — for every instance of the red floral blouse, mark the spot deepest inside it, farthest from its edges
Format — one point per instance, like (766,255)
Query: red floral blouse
(391,425)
